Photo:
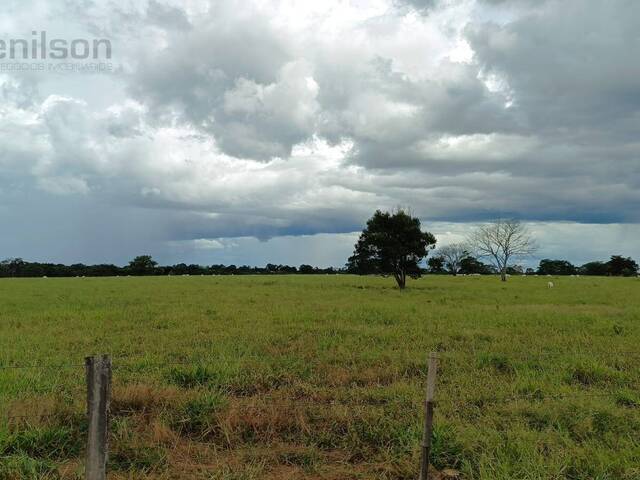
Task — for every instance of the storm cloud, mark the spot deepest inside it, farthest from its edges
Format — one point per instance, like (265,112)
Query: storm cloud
(223,128)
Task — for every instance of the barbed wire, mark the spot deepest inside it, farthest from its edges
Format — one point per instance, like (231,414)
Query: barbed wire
(480,353)
(532,396)
(133,361)
(38,416)
(440,400)
(264,403)
(40,366)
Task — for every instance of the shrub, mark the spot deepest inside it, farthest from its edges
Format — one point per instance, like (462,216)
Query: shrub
(198,417)
(46,443)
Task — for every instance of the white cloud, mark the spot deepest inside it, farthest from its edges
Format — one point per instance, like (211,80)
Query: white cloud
(287,119)
(471,148)
(198,244)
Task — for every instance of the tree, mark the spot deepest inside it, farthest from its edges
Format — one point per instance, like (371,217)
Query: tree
(142,265)
(621,266)
(470,265)
(594,268)
(515,270)
(13,267)
(501,241)
(436,265)
(392,244)
(306,269)
(453,255)
(556,267)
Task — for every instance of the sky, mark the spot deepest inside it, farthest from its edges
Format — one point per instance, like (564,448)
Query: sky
(270,130)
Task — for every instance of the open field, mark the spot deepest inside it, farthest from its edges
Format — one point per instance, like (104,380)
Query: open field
(322,377)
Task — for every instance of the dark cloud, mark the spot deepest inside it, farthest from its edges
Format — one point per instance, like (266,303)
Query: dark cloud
(569,67)
(232,121)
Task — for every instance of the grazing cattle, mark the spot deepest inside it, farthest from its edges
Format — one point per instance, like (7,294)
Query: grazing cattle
(550,285)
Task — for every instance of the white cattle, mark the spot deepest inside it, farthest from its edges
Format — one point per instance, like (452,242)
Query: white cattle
(550,285)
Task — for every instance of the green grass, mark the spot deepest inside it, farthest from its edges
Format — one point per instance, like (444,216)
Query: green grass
(323,376)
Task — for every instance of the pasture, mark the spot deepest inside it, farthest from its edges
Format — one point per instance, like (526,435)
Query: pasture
(322,377)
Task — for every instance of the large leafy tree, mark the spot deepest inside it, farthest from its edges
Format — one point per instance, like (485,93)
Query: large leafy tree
(391,244)
(436,265)
(13,267)
(594,268)
(621,266)
(470,266)
(142,265)
(556,267)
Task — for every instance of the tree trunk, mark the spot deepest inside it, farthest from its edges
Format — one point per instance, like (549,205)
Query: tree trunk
(503,274)
(401,278)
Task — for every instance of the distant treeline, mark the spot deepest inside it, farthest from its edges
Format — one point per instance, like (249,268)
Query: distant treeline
(617,266)
(145,265)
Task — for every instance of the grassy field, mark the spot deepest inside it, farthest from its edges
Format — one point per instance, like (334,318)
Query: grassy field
(322,377)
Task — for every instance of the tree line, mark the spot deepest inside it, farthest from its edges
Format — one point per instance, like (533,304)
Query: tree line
(144,265)
(436,265)
(616,266)
(393,243)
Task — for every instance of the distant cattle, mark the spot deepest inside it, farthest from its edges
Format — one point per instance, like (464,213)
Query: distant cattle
(550,285)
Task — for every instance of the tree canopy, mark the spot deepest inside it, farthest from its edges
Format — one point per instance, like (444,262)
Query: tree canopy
(472,266)
(391,244)
(619,266)
(142,265)
(556,267)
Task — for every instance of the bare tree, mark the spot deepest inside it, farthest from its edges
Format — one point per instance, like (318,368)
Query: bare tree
(453,255)
(501,241)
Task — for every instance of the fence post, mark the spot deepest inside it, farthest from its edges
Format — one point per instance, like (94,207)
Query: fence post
(428,416)
(98,373)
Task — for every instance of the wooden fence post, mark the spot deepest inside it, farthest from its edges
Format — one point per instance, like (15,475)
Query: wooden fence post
(98,373)
(428,416)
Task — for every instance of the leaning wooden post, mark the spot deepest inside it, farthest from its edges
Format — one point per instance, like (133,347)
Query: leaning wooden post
(428,416)
(98,372)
